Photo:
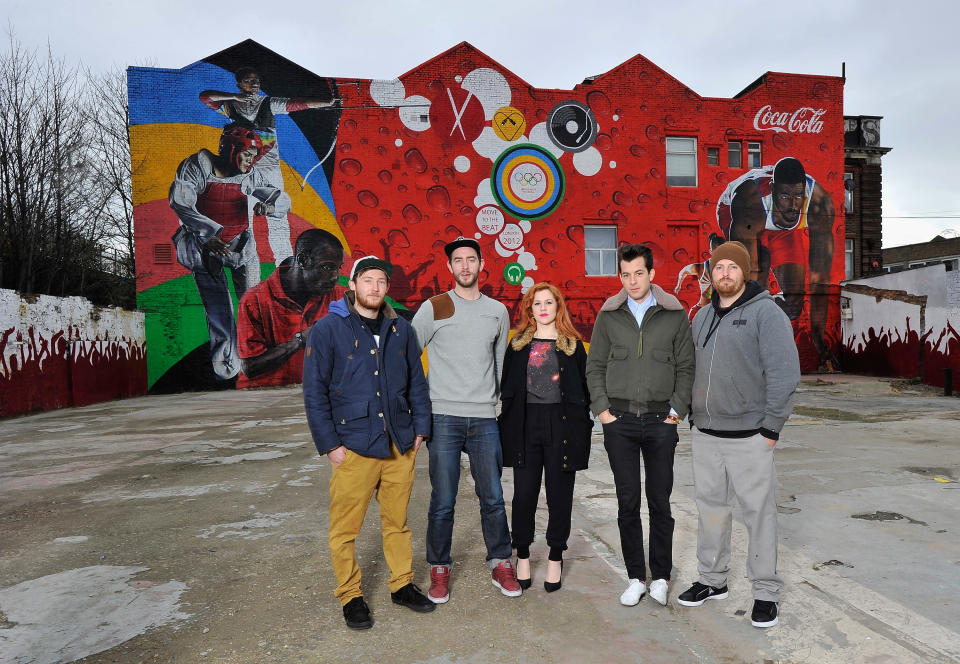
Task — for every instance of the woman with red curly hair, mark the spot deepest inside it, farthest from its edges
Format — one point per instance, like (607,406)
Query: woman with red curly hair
(544,423)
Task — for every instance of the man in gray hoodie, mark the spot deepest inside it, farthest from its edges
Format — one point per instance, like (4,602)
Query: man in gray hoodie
(747,372)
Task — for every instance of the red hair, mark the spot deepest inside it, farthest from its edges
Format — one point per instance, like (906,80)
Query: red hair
(564,324)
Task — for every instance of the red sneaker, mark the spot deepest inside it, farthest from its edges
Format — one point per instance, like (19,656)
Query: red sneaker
(439,591)
(505,578)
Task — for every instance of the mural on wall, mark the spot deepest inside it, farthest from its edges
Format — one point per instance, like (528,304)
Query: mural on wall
(785,219)
(904,324)
(232,158)
(462,146)
(67,352)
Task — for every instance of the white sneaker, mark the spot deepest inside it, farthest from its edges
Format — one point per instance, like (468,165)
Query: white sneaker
(631,596)
(658,590)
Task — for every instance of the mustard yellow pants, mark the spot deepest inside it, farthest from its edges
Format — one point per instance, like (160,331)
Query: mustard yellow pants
(352,484)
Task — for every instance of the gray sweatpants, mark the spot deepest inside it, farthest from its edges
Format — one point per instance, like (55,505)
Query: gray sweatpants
(724,468)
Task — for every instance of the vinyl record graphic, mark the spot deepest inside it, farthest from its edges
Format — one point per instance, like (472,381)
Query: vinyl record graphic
(527,181)
(572,126)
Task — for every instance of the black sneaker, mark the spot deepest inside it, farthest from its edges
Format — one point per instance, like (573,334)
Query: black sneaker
(699,593)
(765,614)
(357,614)
(412,597)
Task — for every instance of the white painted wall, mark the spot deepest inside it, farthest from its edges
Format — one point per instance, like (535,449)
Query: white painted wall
(942,289)
(86,326)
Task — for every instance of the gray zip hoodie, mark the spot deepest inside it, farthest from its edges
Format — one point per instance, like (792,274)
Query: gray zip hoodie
(747,366)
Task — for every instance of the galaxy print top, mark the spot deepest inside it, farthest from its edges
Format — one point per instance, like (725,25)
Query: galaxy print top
(543,372)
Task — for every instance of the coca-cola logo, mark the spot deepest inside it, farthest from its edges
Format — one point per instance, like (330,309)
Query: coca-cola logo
(804,120)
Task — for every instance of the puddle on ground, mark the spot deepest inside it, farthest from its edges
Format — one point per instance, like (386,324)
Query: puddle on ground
(886,516)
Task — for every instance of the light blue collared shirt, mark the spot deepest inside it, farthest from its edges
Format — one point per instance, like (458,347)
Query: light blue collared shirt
(638,309)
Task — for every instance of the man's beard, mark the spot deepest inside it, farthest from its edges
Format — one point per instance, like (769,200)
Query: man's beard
(371,302)
(467,284)
(726,288)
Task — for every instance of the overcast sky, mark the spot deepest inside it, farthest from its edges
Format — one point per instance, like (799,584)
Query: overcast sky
(902,58)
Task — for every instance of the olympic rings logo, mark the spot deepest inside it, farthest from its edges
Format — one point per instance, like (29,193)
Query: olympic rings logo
(529,178)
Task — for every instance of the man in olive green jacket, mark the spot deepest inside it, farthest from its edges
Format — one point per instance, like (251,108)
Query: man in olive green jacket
(640,374)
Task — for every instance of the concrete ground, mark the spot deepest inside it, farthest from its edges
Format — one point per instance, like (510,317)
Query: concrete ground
(192,528)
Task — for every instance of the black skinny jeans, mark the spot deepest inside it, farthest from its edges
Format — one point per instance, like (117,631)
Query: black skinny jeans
(544,458)
(634,444)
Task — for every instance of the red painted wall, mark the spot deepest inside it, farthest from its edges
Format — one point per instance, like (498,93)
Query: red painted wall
(95,355)
(400,167)
(407,200)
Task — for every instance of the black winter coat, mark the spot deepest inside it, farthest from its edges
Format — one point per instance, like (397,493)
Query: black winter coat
(575,402)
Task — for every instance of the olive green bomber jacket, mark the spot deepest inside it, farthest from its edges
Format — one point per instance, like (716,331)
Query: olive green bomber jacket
(641,368)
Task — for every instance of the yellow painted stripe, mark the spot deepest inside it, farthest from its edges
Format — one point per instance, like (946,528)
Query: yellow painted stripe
(157,149)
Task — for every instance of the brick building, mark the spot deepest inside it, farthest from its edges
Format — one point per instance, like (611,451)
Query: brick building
(941,250)
(863,190)
(550,182)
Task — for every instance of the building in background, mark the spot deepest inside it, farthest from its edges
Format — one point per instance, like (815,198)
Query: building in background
(863,196)
(549,182)
(943,250)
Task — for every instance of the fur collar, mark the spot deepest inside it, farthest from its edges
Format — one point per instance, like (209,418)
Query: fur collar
(566,345)
(664,299)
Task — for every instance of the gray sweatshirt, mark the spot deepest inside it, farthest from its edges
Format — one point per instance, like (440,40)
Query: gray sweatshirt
(747,367)
(465,342)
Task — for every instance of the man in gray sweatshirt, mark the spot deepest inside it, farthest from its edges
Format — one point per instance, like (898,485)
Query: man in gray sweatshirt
(747,371)
(465,334)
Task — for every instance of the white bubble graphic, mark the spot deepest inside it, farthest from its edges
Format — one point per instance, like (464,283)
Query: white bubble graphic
(588,162)
(387,93)
(415,113)
(538,136)
(490,87)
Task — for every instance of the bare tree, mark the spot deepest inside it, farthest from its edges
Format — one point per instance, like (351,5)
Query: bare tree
(64,197)
(107,113)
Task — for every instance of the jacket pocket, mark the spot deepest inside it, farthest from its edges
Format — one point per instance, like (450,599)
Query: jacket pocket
(664,376)
(402,415)
(726,399)
(618,370)
(350,418)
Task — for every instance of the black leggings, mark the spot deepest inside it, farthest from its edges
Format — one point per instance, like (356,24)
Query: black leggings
(544,459)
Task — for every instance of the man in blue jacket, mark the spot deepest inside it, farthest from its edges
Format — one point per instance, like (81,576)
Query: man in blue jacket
(368,407)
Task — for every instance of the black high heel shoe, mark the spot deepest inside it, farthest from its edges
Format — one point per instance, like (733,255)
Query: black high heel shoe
(524,583)
(550,586)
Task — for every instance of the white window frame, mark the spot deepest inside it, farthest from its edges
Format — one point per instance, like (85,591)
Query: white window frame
(848,257)
(682,151)
(600,252)
(754,148)
(738,151)
(847,193)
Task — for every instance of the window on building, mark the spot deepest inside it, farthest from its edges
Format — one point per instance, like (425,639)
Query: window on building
(600,250)
(713,156)
(848,192)
(753,154)
(734,154)
(848,258)
(681,162)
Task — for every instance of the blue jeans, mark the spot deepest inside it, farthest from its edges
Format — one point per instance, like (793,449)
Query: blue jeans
(480,439)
